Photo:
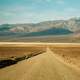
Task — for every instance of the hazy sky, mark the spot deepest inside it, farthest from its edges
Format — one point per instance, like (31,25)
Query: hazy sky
(28,11)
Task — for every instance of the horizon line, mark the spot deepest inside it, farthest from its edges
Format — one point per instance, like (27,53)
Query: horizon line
(43,21)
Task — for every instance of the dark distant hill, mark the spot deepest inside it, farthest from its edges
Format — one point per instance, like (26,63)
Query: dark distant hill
(52,31)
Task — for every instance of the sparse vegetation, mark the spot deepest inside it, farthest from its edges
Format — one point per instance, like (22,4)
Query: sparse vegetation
(68,54)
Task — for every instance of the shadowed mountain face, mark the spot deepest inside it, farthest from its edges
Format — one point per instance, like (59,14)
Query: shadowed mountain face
(52,31)
(47,28)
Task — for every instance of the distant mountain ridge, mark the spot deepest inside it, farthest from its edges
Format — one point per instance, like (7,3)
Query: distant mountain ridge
(71,25)
(59,30)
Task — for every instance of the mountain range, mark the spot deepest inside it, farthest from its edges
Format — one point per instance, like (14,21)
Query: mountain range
(70,27)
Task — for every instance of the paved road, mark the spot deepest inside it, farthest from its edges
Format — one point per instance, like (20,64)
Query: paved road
(41,67)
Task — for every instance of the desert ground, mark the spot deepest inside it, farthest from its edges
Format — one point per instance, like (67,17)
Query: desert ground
(39,61)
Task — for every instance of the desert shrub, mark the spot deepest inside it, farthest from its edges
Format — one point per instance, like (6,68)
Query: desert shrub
(20,58)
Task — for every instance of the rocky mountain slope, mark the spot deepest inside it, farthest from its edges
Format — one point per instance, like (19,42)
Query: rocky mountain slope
(64,29)
(71,24)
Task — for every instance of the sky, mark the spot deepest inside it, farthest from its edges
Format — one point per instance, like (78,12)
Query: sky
(33,11)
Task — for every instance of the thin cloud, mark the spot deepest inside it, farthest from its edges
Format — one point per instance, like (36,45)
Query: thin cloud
(60,1)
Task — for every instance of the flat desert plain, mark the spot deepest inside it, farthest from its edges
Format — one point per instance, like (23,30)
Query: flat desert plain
(39,61)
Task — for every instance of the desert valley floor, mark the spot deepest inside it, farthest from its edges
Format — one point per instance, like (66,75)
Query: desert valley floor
(39,61)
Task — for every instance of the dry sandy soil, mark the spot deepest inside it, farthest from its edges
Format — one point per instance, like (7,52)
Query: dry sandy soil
(70,54)
(57,62)
(7,51)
